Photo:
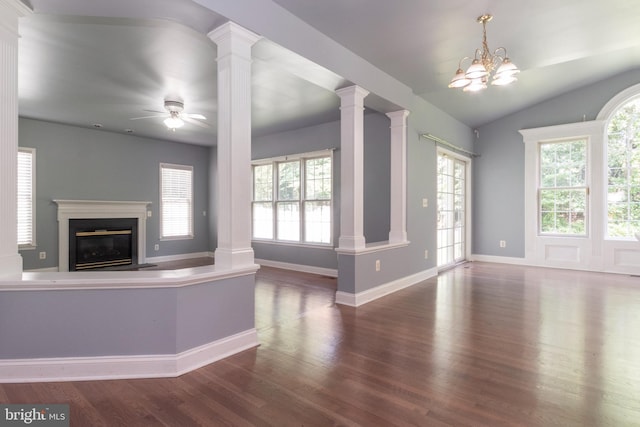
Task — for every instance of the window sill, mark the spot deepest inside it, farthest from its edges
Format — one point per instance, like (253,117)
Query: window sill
(168,239)
(294,244)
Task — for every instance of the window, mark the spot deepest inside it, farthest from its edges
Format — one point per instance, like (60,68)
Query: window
(26,197)
(292,199)
(562,191)
(176,201)
(623,171)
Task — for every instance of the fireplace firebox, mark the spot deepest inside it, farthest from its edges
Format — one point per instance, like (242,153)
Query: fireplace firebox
(103,242)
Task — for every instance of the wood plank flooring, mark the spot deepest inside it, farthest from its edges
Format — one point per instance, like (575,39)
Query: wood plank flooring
(480,345)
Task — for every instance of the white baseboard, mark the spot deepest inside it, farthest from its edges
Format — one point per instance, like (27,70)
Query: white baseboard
(124,367)
(43,270)
(356,300)
(498,259)
(299,267)
(178,257)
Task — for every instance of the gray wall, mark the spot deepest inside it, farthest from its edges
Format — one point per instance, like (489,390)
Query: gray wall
(498,178)
(79,163)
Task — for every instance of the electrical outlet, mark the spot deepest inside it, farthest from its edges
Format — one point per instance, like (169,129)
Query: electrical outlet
(156,247)
(425,203)
(503,243)
(377,265)
(426,254)
(42,255)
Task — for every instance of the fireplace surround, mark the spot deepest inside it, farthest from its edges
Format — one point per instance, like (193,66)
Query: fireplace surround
(110,211)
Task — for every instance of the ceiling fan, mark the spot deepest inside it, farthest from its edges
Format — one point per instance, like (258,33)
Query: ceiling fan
(176,115)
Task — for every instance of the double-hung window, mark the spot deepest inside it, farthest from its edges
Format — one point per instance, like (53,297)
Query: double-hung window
(26,197)
(562,190)
(176,201)
(292,199)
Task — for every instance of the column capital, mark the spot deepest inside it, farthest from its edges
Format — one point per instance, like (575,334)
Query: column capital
(354,92)
(232,38)
(398,117)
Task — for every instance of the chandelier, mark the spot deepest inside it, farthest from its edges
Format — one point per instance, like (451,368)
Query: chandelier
(484,62)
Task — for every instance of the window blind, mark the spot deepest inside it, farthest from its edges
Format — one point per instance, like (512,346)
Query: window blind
(26,190)
(176,204)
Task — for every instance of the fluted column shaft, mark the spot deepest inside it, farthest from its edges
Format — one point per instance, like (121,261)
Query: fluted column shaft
(10,259)
(234,146)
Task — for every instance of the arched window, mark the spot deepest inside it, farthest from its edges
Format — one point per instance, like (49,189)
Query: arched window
(623,170)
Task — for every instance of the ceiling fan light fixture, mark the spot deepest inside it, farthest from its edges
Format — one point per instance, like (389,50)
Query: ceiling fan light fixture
(173,122)
(483,64)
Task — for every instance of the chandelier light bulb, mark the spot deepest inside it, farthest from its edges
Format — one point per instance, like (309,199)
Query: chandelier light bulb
(476,70)
(459,80)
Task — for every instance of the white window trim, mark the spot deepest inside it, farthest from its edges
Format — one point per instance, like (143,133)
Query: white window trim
(32,245)
(606,115)
(298,157)
(191,230)
(580,252)
(595,252)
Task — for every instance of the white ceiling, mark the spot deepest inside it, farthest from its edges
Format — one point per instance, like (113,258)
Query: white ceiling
(92,61)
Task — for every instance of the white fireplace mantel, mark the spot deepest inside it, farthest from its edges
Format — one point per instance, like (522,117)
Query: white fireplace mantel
(91,209)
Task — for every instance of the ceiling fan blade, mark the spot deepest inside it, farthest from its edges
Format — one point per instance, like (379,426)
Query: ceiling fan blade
(195,122)
(194,116)
(155,111)
(147,117)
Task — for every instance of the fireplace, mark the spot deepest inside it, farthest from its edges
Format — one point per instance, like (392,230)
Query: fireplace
(103,242)
(107,235)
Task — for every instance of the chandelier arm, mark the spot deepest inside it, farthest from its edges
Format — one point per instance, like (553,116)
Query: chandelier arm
(495,53)
(462,60)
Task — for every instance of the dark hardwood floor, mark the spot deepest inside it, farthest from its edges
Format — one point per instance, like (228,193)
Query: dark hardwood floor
(480,345)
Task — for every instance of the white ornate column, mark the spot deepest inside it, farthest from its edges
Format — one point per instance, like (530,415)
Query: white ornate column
(398,199)
(352,168)
(10,259)
(234,145)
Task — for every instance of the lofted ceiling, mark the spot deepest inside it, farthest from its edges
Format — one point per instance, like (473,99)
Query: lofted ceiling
(86,62)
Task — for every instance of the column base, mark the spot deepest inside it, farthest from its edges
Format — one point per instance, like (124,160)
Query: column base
(397,237)
(229,259)
(11,267)
(351,242)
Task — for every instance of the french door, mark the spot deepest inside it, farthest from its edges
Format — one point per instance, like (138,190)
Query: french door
(452,209)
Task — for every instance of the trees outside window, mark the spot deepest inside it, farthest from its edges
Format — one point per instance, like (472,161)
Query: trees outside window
(563,191)
(623,171)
